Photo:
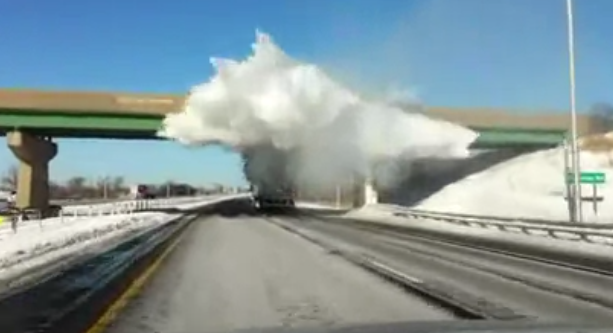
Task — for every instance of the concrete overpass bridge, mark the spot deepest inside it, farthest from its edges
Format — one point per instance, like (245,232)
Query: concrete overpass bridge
(31,119)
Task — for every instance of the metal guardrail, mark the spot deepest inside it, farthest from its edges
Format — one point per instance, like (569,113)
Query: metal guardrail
(601,233)
(69,202)
(59,211)
(95,207)
(16,215)
(97,201)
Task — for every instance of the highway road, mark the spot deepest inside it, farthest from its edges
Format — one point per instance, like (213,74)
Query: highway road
(238,270)
(241,272)
(510,284)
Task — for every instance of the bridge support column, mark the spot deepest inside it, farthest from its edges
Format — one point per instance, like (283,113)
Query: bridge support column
(34,154)
(358,191)
(370,193)
(364,193)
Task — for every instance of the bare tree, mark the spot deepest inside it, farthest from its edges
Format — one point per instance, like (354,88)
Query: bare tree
(102,187)
(57,191)
(601,121)
(9,180)
(601,118)
(118,185)
(76,187)
(76,182)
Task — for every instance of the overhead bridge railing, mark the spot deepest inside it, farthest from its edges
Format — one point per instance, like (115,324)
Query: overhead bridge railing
(601,233)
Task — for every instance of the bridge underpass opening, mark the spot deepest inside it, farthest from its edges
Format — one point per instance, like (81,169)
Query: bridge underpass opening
(421,178)
(427,176)
(39,167)
(34,151)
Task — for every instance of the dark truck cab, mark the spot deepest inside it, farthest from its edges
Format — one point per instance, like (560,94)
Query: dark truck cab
(273,198)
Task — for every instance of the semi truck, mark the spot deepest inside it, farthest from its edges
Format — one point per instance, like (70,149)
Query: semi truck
(273,198)
(142,191)
(266,169)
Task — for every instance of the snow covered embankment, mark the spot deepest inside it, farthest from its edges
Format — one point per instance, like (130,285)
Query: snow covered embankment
(376,214)
(58,242)
(32,250)
(529,186)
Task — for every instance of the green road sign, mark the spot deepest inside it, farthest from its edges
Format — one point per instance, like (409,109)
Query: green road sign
(588,177)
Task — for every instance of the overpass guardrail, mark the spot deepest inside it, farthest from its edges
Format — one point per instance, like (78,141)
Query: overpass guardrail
(601,233)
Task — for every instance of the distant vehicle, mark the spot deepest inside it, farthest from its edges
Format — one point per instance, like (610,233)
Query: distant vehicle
(147,191)
(142,191)
(4,204)
(269,198)
(176,190)
(273,189)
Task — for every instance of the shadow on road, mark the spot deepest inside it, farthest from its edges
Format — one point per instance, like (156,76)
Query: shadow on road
(229,208)
(244,208)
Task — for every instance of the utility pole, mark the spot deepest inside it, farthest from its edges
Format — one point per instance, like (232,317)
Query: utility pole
(570,198)
(338,196)
(578,211)
(105,187)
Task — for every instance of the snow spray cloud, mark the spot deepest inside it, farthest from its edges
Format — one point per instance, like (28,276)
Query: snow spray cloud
(271,101)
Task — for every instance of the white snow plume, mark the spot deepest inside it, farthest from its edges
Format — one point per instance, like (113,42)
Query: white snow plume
(272,100)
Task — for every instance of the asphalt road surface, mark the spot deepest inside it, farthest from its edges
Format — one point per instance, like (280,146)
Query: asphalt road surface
(244,272)
(529,288)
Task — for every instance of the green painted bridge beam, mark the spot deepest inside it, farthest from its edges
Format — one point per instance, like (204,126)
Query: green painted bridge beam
(90,121)
(133,126)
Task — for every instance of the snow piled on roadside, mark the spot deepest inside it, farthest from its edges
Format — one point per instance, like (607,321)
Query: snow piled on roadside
(527,186)
(41,248)
(37,245)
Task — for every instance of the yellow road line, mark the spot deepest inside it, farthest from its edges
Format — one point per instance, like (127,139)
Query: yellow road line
(133,289)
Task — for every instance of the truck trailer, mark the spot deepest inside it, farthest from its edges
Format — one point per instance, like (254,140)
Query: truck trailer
(266,168)
(269,199)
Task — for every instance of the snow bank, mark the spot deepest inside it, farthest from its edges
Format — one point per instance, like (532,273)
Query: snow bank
(530,185)
(35,246)
(378,214)
(42,246)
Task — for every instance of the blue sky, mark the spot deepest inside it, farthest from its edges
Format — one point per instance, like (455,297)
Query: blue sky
(494,53)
